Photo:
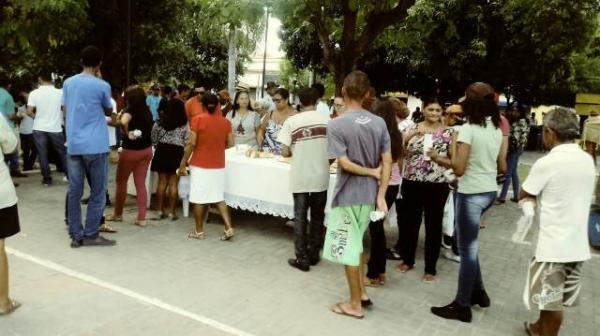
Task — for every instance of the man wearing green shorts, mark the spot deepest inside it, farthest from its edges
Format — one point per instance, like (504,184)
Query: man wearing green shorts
(360,142)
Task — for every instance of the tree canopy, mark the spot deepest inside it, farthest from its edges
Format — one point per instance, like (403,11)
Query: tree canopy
(538,51)
(176,39)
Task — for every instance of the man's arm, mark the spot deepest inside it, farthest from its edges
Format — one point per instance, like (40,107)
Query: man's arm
(31,111)
(346,164)
(386,171)
(189,149)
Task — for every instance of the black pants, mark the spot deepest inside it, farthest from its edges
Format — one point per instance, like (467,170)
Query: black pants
(308,235)
(376,265)
(429,198)
(29,151)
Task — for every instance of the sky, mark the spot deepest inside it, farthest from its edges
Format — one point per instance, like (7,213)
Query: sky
(273,41)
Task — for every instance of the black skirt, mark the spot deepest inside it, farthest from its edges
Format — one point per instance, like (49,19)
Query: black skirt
(9,222)
(166,158)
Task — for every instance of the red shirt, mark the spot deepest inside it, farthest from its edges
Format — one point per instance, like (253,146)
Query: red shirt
(212,131)
(504,126)
(194,108)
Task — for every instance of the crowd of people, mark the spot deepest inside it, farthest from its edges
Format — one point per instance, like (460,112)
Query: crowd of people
(443,167)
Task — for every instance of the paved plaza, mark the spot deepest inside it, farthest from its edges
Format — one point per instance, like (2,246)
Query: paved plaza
(158,282)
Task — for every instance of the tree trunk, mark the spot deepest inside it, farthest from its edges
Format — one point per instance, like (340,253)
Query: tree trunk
(232,54)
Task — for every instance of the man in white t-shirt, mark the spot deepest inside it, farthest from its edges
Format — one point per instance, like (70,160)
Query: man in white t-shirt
(304,138)
(26,134)
(44,106)
(322,107)
(562,182)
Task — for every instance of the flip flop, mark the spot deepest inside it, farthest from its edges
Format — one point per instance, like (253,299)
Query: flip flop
(107,228)
(337,308)
(14,305)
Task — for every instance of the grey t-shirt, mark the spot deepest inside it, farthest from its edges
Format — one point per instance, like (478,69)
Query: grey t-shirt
(362,137)
(244,127)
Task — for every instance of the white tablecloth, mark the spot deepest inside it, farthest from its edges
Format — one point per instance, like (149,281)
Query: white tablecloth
(261,185)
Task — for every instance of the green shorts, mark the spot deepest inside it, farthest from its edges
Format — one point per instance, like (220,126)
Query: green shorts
(346,227)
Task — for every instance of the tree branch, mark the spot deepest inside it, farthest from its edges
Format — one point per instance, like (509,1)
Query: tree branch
(377,21)
(328,53)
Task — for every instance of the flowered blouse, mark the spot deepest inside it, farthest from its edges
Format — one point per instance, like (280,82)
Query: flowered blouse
(519,132)
(417,166)
(178,136)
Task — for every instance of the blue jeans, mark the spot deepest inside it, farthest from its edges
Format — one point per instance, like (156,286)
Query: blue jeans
(469,209)
(95,166)
(512,174)
(57,140)
(12,160)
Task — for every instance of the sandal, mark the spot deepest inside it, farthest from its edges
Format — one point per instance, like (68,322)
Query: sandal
(107,228)
(337,308)
(371,282)
(173,217)
(13,305)
(403,268)
(227,235)
(429,278)
(196,235)
(140,223)
(113,218)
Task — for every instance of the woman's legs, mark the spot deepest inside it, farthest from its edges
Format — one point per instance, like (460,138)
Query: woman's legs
(224,211)
(4,299)
(412,194)
(163,179)
(470,207)
(377,261)
(173,193)
(124,169)
(515,176)
(434,213)
(199,210)
(511,167)
(139,178)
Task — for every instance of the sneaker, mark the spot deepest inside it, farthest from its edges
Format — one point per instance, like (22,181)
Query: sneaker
(454,311)
(98,241)
(85,200)
(392,254)
(75,243)
(451,256)
(46,183)
(301,265)
(446,242)
(65,179)
(290,223)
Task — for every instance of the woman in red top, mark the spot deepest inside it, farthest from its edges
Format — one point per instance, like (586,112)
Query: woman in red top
(210,135)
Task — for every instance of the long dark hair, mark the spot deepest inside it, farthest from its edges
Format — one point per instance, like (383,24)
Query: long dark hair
(384,108)
(174,115)
(236,105)
(135,98)
(210,102)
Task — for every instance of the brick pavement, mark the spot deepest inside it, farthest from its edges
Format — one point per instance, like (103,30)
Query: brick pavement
(247,283)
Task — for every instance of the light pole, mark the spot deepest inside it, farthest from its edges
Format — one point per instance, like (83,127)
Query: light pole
(264,71)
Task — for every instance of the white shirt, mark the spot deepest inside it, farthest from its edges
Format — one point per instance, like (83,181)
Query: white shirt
(306,135)
(47,102)
(8,143)
(26,125)
(565,180)
(112,135)
(323,109)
